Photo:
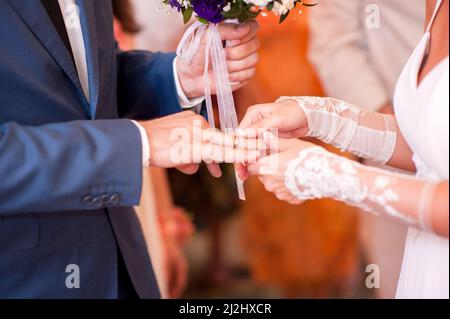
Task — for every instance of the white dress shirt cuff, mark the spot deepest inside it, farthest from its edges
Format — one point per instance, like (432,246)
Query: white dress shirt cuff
(145,145)
(185,102)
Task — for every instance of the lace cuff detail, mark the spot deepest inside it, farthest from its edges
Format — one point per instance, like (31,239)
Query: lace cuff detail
(369,135)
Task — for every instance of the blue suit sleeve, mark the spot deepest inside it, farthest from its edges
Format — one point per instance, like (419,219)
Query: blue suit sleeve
(146,85)
(80,165)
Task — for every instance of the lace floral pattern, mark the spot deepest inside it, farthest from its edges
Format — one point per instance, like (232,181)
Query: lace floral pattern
(316,174)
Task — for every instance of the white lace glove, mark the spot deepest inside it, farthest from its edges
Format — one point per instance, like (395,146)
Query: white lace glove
(369,135)
(317,173)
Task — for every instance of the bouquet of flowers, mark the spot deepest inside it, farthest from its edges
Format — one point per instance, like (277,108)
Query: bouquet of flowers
(215,11)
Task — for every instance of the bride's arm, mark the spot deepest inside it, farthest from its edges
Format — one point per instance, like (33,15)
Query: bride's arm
(305,172)
(316,173)
(402,157)
(370,135)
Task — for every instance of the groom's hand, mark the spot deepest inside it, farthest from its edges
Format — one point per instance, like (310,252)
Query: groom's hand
(241,54)
(184,140)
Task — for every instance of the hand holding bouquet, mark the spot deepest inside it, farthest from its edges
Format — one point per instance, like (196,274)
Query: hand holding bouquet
(215,11)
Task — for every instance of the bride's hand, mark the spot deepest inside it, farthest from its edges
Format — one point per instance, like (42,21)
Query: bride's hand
(271,169)
(285,116)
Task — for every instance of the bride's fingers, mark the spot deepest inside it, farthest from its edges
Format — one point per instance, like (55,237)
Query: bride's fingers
(264,166)
(283,196)
(216,137)
(273,185)
(277,144)
(258,116)
(288,197)
(295,201)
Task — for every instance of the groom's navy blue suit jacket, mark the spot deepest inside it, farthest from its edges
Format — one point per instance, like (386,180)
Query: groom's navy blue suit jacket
(70,170)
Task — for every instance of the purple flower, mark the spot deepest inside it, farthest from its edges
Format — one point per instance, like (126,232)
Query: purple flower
(210,10)
(175,4)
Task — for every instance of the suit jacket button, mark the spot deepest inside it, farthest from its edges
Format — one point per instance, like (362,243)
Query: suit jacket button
(105,199)
(114,199)
(88,200)
(98,202)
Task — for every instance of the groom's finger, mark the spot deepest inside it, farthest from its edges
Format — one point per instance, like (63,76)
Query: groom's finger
(232,31)
(242,51)
(254,27)
(183,114)
(218,154)
(216,137)
(214,170)
(236,142)
(242,76)
(242,172)
(188,169)
(249,62)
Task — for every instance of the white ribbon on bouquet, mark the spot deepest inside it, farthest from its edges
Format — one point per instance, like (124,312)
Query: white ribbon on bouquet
(190,44)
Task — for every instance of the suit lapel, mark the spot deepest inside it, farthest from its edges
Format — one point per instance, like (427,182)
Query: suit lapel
(37,20)
(89,26)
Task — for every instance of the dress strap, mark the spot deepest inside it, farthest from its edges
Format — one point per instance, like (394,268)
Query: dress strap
(436,10)
(430,25)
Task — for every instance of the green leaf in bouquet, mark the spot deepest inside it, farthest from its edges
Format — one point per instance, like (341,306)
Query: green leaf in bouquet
(204,21)
(246,14)
(187,14)
(284,17)
(308,4)
(234,12)
(242,18)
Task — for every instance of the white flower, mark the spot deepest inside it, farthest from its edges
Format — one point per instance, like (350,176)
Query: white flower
(227,7)
(259,3)
(284,7)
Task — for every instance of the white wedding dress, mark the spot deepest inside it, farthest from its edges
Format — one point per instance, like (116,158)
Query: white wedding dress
(422,113)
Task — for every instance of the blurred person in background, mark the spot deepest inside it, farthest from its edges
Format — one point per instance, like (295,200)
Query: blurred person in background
(314,253)
(153,17)
(359,48)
